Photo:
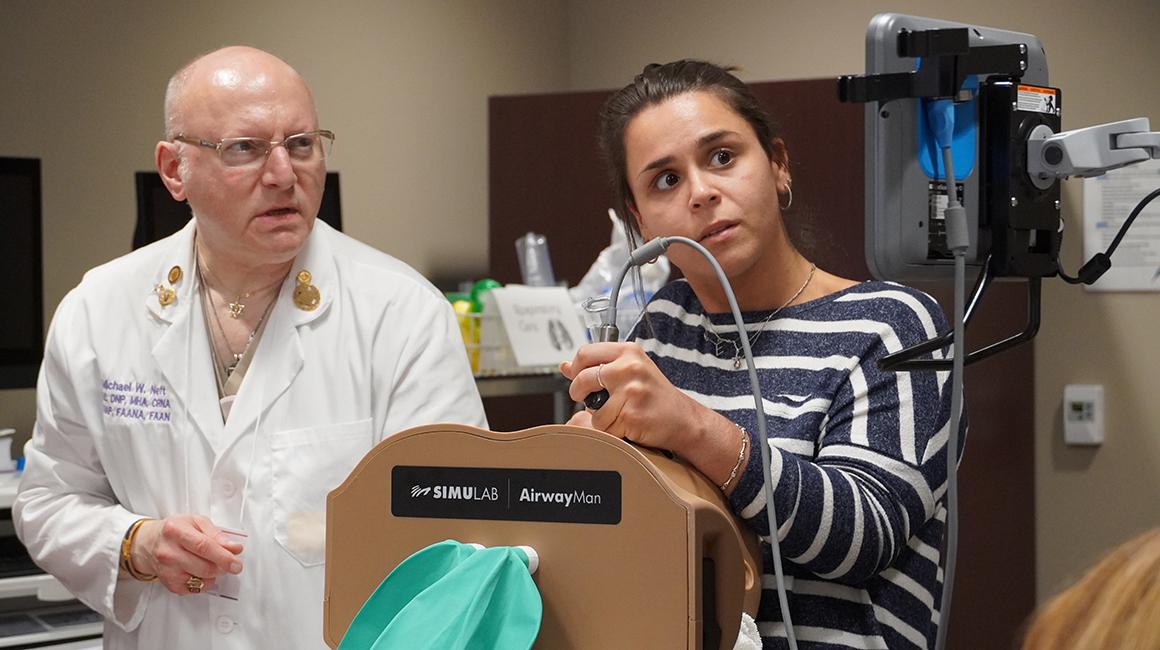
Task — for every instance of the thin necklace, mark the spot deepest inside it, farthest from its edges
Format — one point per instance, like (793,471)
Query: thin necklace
(228,368)
(719,341)
(238,305)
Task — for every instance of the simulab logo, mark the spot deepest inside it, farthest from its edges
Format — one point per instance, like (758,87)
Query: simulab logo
(456,492)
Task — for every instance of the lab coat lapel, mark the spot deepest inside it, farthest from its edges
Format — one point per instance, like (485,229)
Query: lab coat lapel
(279,356)
(182,352)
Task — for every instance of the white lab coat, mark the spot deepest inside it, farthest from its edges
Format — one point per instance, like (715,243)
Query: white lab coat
(128,425)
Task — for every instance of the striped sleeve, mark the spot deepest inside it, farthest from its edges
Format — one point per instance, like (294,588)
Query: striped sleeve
(846,513)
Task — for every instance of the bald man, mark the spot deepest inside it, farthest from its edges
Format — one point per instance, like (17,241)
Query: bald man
(200,396)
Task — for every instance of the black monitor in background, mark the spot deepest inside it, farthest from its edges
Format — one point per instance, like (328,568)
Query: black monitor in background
(21,258)
(159,215)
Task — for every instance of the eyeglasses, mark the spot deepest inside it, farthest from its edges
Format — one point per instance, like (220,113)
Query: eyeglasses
(307,147)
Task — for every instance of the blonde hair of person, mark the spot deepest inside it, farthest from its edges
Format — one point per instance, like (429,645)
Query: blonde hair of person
(1115,606)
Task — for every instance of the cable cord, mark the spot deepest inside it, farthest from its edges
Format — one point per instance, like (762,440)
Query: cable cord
(958,243)
(1128,222)
(1101,262)
(651,250)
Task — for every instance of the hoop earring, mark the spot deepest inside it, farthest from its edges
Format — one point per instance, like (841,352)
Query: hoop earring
(789,191)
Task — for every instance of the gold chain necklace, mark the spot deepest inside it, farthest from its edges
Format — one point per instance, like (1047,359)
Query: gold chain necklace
(718,341)
(237,306)
(228,367)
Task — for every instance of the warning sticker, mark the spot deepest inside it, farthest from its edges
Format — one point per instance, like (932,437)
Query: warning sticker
(1038,100)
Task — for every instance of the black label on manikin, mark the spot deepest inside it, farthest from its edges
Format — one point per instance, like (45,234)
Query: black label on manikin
(557,495)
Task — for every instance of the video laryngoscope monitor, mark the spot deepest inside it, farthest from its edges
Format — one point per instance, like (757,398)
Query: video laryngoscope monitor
(1008,153)
(964,153)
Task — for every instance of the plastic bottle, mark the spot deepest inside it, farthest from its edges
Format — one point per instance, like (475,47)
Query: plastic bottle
(535,263)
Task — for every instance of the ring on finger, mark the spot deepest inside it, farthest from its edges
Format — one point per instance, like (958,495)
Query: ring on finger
(598,379)
(194,584)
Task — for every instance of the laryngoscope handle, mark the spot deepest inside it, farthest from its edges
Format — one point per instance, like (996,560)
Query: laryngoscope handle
(608,331)
(603,334)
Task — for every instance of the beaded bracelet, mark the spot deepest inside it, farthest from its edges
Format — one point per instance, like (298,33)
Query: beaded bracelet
(740,457)
(127,555)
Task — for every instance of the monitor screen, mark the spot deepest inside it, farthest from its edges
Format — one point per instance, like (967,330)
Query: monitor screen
(159,215)
(22,325)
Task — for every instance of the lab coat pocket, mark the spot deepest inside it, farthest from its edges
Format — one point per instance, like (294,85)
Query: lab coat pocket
(307,464)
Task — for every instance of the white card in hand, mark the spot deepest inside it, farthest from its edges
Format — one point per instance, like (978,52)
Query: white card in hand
(227,585)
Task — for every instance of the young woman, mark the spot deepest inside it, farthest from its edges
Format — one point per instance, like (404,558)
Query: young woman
(857,453)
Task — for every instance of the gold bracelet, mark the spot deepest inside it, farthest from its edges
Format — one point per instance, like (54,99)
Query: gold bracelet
(740,457)
(127,554)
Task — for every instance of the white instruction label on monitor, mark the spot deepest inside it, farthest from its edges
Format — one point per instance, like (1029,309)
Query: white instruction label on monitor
(541,323)
(1107,202)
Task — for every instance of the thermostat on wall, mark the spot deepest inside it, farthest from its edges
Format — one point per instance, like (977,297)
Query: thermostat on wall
(1083,414)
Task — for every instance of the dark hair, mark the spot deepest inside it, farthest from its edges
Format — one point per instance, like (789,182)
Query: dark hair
(655,84)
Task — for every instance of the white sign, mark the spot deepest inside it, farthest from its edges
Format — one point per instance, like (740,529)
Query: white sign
(541,323)
(1107,201)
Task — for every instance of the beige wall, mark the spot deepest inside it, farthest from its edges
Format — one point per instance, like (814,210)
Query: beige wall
(405,84)
(1102,56)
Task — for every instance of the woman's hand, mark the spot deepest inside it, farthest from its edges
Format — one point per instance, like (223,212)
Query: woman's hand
(643,405)
(183,546)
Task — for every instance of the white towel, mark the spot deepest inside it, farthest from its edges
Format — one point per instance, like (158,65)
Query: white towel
(748,638)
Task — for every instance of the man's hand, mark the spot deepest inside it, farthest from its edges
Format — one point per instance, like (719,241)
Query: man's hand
(181,546)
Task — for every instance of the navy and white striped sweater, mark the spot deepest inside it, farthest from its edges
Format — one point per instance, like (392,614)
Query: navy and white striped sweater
(857,454)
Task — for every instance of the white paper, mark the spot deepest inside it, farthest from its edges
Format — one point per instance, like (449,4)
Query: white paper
(1107,201)
(229,585)
(541,324)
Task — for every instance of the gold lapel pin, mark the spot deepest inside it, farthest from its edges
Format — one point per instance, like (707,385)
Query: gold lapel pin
(306,295)
(165,295)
